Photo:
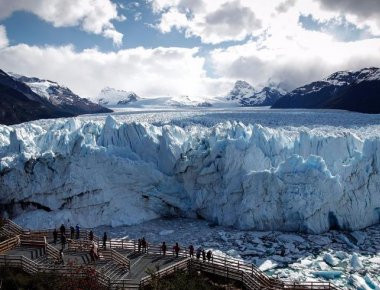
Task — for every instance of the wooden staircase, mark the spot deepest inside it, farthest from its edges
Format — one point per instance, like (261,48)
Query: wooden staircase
(121,266)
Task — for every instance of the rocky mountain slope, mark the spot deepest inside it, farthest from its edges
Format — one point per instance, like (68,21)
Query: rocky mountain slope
(348,90)
(25,99)
(60,96)
(246,95)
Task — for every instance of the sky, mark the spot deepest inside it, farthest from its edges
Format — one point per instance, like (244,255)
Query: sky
(197,48)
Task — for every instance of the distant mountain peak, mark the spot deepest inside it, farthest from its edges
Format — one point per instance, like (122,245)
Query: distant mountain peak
(113,97)
(246,95)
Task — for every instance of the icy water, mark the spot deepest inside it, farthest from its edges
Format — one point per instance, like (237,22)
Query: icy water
(355,256)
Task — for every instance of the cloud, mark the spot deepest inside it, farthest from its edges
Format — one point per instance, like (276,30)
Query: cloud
(363,12)
(285,6)
(293,59)
(213,21)
(3,37)
(148,72)
(93,16)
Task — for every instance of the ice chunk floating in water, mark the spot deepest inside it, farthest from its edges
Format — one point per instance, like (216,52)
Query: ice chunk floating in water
(246,176)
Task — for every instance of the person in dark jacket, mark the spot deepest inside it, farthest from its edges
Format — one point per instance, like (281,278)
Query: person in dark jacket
(176,249)
(72,232)
(63,241)
(62,229)
(104,240)
(191,251)
(209,255)
(203,255)
(163,248)
(55,236)
(199,251)
(77,231)
(91,235)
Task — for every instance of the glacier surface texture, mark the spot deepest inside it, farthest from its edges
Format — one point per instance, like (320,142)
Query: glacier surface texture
(233,174)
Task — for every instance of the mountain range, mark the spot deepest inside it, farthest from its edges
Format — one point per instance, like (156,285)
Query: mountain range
(25,99)
(357,91)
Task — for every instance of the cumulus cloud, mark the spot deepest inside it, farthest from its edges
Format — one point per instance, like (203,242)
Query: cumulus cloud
(363,12)
(93,16)
(3,37)
(148,72)
(294,59)
(213,21)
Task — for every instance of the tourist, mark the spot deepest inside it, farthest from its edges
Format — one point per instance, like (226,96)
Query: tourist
(191,251)
(176,249)
(72,232)
(62,229)
(199,251)
(203,255)
(61,261)
(63,241)
(91,235)
(209,255)
(92,253)
(144,244)
(55,236)
(139,245)
(163,248)
(104,240)
(77,231)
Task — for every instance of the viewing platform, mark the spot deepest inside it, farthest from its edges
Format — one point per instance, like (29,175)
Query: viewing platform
(122,264)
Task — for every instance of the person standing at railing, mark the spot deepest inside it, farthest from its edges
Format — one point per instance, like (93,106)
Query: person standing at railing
(62,229)
(139,245)
(209,255)
(77,231)
(91,236)
(63,241)
(104,240)
(176,249)
(55,236)
(144,245)
(72,232)
(191,251)
(203,255)
(163,248)
(199,251)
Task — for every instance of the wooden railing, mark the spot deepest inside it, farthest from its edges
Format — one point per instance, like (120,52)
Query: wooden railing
(118,258)
(181,265)
(9,244)
(228,267)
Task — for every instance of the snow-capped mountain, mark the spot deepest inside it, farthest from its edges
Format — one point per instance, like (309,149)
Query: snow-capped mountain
(113,97)
(348,90)
(60,96)
(18,103)
(246,95)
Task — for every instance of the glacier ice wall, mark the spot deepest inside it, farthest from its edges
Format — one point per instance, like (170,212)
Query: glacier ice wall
(246,176)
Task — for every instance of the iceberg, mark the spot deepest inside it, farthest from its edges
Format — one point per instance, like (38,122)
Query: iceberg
(328,274)
(243,175)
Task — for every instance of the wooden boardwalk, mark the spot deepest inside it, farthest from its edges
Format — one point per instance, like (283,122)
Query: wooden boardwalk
(121,265)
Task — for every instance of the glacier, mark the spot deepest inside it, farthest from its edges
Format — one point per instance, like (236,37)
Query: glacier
(248,176)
